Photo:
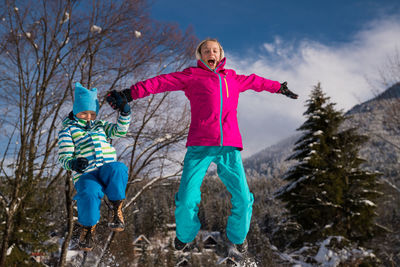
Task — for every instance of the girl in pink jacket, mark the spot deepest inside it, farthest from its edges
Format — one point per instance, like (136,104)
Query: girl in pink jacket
(214,136)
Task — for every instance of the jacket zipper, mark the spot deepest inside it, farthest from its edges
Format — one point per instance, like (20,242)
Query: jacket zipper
(220,113)
(221,97)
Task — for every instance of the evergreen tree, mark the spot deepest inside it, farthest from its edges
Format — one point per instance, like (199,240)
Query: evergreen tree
(33,230)
(328,193)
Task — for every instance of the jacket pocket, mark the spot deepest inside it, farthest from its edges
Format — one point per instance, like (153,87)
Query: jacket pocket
(226,86)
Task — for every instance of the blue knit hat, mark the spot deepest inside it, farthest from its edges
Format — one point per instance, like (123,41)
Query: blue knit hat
(85,99)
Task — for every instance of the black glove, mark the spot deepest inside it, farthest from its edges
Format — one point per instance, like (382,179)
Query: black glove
(284,90)
(79,164)
(119,101)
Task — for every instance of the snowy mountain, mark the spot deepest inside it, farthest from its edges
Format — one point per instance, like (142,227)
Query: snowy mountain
(271,161)
(379,118)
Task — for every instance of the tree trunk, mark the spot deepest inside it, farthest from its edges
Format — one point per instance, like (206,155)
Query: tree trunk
(6,236)
(70,220)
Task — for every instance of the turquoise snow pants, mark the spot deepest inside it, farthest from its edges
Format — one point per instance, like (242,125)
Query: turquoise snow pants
(231,172)
(111,179)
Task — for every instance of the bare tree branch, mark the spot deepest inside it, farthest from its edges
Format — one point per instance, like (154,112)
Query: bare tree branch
(44,49)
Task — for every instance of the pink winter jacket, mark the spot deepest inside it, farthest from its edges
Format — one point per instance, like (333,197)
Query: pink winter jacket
(213,97)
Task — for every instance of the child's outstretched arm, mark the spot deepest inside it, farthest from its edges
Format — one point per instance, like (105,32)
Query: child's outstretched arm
(175,81)
(259,84)
(119,129)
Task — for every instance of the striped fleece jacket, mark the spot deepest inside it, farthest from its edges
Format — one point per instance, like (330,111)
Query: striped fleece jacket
(79,139)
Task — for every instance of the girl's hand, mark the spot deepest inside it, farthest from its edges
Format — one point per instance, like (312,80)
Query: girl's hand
(284,90)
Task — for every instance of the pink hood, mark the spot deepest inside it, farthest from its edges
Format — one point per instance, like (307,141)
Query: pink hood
(213,97)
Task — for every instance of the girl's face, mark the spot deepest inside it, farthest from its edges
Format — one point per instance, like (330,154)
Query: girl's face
(86,115)
(210,54)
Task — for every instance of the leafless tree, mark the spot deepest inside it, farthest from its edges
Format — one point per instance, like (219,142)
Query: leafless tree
(380,120)
(390,71)
(383,123)
(46,46)
(390,101)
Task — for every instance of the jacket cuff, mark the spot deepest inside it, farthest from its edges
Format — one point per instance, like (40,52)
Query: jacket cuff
(125,114)
(128,95)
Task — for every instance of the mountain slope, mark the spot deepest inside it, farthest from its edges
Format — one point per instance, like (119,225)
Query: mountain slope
(271,161)
(379,118)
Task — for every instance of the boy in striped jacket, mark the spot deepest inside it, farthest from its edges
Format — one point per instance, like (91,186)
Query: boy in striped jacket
(84,149)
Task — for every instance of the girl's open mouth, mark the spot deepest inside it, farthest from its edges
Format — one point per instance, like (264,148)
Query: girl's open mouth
(211,62)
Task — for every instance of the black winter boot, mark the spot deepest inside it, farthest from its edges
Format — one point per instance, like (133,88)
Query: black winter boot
(242,248)
(179,245)
(86,240)
(117,224)
(235,251)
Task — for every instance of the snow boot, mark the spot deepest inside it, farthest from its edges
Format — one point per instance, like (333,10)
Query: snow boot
(235,251)
(117,224)
(86,240)
(242,248)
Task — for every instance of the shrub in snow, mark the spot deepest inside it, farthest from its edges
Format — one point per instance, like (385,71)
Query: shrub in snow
(287,234)
(334,251)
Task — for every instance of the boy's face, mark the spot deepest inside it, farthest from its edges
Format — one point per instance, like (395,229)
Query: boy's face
(210,54)
(86,115)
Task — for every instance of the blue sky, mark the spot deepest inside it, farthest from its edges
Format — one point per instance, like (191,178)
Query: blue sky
(241,25)
(342,44)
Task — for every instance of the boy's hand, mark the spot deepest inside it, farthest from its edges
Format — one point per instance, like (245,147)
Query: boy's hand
(284,90)
(79,164)
(119,101)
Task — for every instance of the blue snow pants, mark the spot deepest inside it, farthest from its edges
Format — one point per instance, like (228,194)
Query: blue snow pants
(231,172)
(109,179)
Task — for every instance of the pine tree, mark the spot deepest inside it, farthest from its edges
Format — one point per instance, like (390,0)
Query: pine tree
(33,229)
(328,193)
(360,189)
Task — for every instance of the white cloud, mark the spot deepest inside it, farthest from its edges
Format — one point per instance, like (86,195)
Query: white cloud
(269,47)
(344,70)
